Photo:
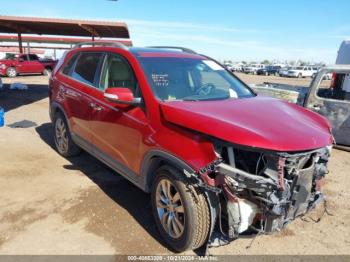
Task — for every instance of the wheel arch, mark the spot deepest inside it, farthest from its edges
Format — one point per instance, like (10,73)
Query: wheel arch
(155,159)
(57,108)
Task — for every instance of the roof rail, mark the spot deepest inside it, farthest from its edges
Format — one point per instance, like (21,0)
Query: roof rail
(100,43)
(183,49)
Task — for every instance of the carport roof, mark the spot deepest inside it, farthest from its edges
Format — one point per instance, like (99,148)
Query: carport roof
(68,27)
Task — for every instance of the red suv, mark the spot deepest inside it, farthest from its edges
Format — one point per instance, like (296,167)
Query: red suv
(218,160)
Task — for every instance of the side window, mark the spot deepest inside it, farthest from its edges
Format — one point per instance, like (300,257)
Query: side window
(33,57)
(212,77)
(338,88)
(67,69)
(23,58)
(86,67)
(118,73)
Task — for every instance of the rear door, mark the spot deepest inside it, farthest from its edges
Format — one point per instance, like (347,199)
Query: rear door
(80,75)
(332,100)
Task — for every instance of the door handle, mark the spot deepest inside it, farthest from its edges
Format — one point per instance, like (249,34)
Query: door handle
(96,107)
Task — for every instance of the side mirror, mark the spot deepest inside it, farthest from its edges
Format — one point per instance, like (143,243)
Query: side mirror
(21,60)
(121,95)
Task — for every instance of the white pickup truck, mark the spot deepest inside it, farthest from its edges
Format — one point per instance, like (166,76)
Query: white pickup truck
(302,71)
(328,98)
(253,68)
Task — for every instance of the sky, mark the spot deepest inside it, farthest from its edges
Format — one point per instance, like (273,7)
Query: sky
(249,30)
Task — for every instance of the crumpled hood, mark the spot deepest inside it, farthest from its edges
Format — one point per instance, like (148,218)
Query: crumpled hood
(260,122)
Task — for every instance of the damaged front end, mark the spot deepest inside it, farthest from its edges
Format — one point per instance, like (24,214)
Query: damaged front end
(261,191)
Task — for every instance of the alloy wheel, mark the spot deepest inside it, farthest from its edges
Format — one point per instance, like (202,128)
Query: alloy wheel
(170,208)
(11,72)
(61,136)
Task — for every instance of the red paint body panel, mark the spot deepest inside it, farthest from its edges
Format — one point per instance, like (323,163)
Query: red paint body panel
(259,122)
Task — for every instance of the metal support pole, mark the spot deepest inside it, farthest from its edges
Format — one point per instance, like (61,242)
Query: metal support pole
(20,43)
(28,48)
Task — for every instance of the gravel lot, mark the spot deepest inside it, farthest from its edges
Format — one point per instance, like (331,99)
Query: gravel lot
(51,205)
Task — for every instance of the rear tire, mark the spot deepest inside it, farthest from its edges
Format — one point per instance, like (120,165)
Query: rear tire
(63,139)
(11,72)
(183,209)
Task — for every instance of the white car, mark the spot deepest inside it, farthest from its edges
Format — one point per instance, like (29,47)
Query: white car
(302,71)
(252,69)
(237,68)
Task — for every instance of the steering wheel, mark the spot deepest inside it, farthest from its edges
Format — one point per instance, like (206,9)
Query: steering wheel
(205,89)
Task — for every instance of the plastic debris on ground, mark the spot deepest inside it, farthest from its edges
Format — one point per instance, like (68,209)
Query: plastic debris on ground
(18,86)
(2,117)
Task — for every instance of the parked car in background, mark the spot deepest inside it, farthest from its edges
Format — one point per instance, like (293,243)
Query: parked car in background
(253,68)
(328,76)
(268,70)
(228,66)
(237,68)
(148,113)
(21,64)
(284,71)
(301,71)
(330,99)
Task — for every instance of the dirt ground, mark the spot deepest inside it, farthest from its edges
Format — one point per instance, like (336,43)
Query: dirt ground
(51,205)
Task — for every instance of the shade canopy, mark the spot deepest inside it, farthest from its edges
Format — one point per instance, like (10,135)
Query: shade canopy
(67,27)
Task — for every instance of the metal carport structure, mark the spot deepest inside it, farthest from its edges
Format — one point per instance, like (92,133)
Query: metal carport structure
(63,27)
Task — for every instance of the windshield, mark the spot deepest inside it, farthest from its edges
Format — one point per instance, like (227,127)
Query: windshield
(9,56)
(174,78)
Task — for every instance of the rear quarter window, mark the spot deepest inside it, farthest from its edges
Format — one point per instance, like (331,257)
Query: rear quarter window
(68,67)
(86,66)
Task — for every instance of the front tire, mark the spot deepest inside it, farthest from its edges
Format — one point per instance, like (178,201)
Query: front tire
(180,210)
(11,72)
(63,139)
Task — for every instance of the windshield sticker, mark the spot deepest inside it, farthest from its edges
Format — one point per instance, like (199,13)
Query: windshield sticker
(233,93)
(160,79)
(213,65)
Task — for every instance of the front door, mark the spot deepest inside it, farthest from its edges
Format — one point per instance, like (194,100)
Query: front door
(23,66)
(332,100)
(118,130)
